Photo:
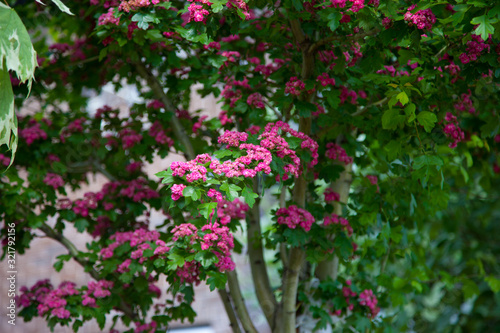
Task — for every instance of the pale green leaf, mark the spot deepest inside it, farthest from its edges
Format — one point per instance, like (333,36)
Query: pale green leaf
(16,51)
(62,7)
(8,119)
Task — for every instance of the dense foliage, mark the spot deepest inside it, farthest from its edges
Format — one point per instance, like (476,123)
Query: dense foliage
(374,124)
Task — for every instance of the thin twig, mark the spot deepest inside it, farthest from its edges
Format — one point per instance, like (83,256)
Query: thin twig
(362,110)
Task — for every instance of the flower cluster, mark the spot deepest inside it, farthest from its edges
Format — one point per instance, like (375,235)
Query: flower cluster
(452,130)
(177,191)
(53,180)
(108,18)
(184,230)
(129,138)
(335,219)
(357,5)
(273,141)
(367,298)
(145,328)
(140,239)
(233,138)
(197,125)
(4,160)
(256,155)
(189,272)
(49,300)
(325,80)
(294,216)
(256,101)
(197,13)
(474,49)
(193,170)
(336,152)
(221,241)
(423,19)
(331,195)
(158,133)
(99,289)
(294,86)
(374,181)
(348,95)
(35,132)
(269,69)
(132,5)
(227,210)
(356,54)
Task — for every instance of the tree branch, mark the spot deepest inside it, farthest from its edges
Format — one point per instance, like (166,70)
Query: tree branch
(351,38)
(239,302)
(157,89)
(257,264)
(362,110)
(233,320)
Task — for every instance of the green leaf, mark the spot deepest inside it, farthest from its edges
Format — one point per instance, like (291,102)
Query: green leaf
(159,262)
(176,260)
(403,98)
(334,20)
(154,35)
(469,288)
(410,112)
(18,55)
(8,119)
(207,208)
(427,120)
(391,119)
(188,191)
(249,196)
(143,20)
(231,191)
(223,153)
(81,224)
(427,160)
(205,258)
(217,5)
(62,7)
(216,280)
(485,28)
(217,60)
(493,282)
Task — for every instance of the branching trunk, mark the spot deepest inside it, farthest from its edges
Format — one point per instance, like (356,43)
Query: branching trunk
(239,303)
(257,264)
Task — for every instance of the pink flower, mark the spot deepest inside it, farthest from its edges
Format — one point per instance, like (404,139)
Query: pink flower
(423,19)
(30,134)
(294,86)
(255,100)
(108,18)
(177,191)
(197,13)
(336,152)
(330,195)
(4,160)
(294,216)
(325,80)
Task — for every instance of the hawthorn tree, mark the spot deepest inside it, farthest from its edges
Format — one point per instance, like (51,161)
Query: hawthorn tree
(374,124)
